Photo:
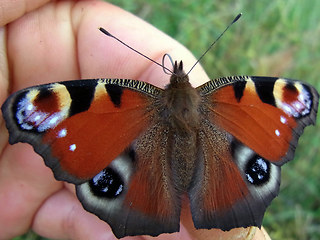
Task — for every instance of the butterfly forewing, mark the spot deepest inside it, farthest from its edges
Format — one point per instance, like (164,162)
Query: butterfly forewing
(68,123)
(263,111)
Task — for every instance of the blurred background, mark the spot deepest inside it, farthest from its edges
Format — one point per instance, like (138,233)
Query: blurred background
(273,38)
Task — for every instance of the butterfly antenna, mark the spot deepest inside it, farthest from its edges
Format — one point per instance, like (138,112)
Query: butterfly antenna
(141,54)
(172,64)
(221,34)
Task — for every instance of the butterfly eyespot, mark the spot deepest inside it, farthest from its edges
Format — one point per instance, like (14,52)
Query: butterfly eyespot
(108,184)
(38,110)
(294,98)
(257,170)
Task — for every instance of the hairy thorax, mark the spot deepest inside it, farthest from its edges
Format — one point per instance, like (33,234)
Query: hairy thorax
(180,112)
(181,103)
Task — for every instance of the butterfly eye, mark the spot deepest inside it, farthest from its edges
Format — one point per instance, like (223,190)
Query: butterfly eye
(108,183)
(257,170)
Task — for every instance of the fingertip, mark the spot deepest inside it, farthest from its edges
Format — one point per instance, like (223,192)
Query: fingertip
(261,234)
(63,217)
(217,234)
(114,60)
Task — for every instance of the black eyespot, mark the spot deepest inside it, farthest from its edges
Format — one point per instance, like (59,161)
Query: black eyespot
(257,170)
(107,184)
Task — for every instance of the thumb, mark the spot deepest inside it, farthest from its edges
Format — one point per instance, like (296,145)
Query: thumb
(249,233)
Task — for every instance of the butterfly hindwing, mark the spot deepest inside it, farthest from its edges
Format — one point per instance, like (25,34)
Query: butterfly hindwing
(250,127)
(222,187)
(146,201)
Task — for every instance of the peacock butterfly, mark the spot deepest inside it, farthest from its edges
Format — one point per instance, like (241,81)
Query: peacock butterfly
(134,150)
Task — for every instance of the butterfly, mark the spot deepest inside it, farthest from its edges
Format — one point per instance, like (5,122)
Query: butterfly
(135,151)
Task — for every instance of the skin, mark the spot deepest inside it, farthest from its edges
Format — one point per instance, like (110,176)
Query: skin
(45,42)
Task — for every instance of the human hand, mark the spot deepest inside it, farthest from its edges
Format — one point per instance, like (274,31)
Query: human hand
(60,41)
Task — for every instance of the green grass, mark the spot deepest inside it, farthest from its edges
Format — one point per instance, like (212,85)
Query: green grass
(274,38)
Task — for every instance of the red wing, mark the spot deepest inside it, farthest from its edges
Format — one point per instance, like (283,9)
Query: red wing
(250,126)
(103,136)
(79,127)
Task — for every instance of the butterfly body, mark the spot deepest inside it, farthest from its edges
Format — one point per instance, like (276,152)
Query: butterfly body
(134,150)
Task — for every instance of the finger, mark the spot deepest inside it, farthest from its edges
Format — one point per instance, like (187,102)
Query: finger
(4,82)
(62,217)
(42,46)
(51,45)
(11,10)
(261,234)
(24,184)
(249,233)
(217,234)
(113,60)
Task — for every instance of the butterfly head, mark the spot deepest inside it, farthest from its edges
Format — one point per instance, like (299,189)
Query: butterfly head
(178,75)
